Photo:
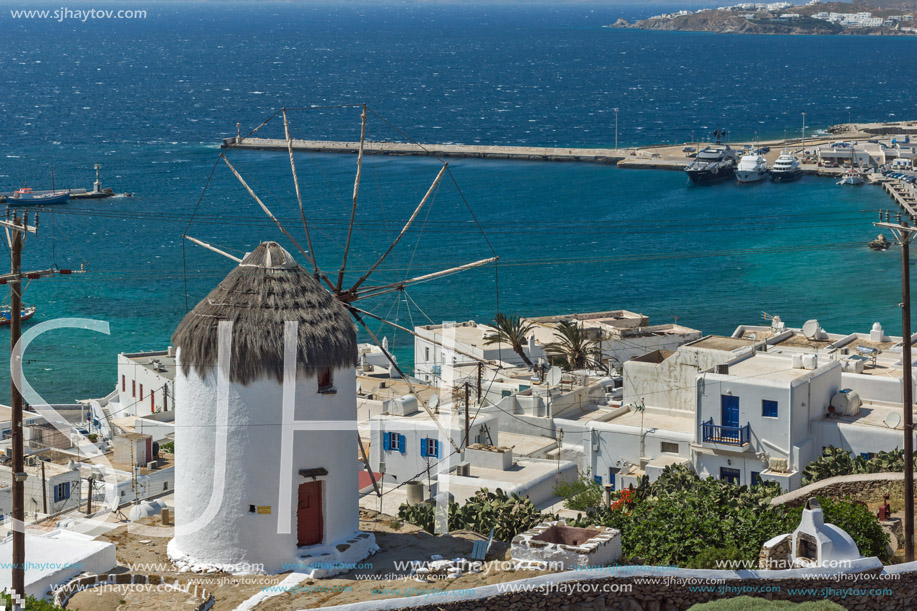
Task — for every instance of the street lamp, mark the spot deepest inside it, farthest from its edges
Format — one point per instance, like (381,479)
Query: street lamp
(803,134)
(616,128)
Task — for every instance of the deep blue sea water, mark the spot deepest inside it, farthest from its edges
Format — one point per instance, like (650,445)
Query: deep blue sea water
(151,99)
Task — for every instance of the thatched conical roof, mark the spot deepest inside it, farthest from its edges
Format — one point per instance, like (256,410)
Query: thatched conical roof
(265,290)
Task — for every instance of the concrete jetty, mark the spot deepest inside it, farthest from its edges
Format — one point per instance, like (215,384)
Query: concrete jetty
(471,151)
(905,195)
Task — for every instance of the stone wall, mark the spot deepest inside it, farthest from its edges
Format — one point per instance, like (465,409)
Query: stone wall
(63,594)
(653,589)
(867,487)
(775,554)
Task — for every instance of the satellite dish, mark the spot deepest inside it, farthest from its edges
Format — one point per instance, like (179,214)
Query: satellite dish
(892,420)
(810,329)
(433,402)
(554,376)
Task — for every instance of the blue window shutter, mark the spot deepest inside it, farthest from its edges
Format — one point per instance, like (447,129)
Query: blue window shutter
(56,497)
(423,446)
(437,447)
(401,447)
(386,441)
(66,490)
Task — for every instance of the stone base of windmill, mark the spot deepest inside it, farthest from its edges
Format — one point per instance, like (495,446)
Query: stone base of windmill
(321,561)
(314,561)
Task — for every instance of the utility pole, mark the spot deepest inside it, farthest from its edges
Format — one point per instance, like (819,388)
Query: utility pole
(803,134)
(17,229)
(89,480)
(904,234)
(616,128)
(480,375)
(44,490)
(466,415)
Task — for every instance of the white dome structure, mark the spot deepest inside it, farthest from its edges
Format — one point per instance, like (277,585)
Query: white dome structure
(265,403)
(815,543)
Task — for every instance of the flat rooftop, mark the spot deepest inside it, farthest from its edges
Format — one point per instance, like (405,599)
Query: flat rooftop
(878,415)
(385,389)
(652,419)
(162,361)
(526,445)
(721,342)
(766,367)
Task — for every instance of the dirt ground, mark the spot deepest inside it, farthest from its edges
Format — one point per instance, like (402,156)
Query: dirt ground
(379,580)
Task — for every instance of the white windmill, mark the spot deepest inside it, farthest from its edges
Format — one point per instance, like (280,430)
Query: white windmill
(265,472)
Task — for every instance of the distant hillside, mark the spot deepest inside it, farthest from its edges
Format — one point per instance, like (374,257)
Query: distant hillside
(763,22)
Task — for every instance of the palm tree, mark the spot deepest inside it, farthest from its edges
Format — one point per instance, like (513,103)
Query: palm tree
(510,330)
(573,349)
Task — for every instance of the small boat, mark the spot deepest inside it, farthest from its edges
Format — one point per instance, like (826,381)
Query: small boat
(6,314)
(752,168)
(25,197)
(786,168)
(852,177)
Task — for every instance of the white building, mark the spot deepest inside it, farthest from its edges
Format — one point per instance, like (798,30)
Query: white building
(266,431)
(143,398)
(407,445)
(760,411)
(619,334)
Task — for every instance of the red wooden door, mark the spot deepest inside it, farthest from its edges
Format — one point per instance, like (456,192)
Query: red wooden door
(309,514)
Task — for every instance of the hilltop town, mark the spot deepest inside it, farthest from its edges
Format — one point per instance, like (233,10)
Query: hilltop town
(816,17)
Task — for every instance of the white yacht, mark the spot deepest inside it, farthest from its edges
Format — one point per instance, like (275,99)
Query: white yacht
(786,168)
(752,168)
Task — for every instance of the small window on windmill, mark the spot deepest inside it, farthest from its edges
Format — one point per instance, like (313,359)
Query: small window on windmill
(325,380)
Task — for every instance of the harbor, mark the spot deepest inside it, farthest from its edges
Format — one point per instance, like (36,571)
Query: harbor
(676,156)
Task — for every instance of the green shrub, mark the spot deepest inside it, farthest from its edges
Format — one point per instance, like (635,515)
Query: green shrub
(31,603)
(581,494)
(677,518)
(837,461)
(718,558)
(508,515)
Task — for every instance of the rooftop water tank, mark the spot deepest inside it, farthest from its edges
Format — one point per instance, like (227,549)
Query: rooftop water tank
(809,361)
(846,402)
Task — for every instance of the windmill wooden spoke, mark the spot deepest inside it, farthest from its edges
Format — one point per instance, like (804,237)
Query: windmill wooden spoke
(302,213)
(273,218)
(404,377)
(353,210)
(213,248)
(404,230)
(409,331)
(375,291)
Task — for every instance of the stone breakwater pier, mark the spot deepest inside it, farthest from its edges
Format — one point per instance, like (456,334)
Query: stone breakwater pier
(470,151)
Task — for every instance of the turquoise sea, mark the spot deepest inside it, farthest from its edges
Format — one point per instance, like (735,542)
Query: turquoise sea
(150,99)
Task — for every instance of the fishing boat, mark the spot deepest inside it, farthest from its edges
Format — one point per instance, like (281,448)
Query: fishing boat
(26,197)
(6,314)
(852,177)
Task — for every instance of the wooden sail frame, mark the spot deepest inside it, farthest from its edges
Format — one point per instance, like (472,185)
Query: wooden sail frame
(356,292)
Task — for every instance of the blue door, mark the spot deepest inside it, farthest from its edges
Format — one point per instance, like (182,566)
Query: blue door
(611,477)
(729,416)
